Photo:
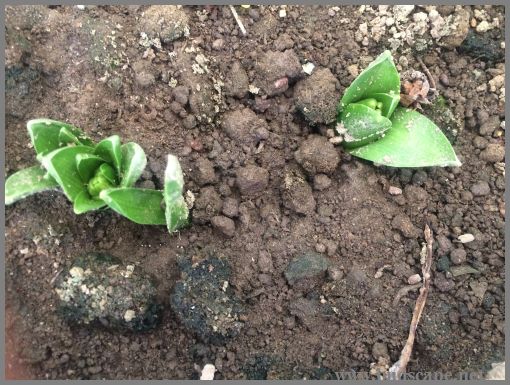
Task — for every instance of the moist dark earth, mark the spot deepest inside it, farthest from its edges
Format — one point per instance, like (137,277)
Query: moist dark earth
(302,227)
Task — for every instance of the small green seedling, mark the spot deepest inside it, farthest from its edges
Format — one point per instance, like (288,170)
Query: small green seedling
(374,127)
(96,176)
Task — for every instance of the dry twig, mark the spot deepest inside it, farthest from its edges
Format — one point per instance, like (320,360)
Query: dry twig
(399,367)
(429,75)
(238,19)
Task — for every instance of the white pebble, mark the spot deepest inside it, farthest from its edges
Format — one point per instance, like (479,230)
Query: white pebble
(395,190)
(129,315)
(208,372)
(282,13)
(465,238)
(415,278)
(308,68)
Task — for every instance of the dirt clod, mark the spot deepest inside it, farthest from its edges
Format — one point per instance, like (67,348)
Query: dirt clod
(99,289)
(166,22)
(252,180)
(317,97)
(297,193)
(317,155)
(244,126)
(224,225)
(205,303)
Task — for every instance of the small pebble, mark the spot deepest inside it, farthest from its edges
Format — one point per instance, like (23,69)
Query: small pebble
(466,238)
(415,278)
(395,190)
(208,372)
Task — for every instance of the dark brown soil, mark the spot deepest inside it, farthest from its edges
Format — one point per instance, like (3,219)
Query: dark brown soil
(90,67)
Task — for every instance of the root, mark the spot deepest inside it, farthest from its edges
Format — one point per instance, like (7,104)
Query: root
(238,20)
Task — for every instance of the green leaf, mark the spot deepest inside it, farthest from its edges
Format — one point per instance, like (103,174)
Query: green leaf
(72,135)
(108,173)
(413,141)
(61,165)
(142,206)
(109,150)
(84,203)
(27,182)
(380,76)
(44,134)
(362,125)
(176,210)
(48,135)
(389,102)
(133,163)
(87,165)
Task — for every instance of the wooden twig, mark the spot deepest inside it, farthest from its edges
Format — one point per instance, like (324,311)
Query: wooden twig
(238,19)
(399,367)
(429,75)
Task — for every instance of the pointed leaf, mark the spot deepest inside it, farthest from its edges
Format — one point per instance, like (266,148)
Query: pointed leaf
(109,150)
(87,165)
(133,163)
(61,165)
(176,210)
(143,206)
(27,182)
(84,203)
(380,76)
(69,136)
(44,134)
(413,141)
(362,125)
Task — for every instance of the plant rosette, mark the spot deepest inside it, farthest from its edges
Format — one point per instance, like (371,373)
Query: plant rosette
(374,127)
(96,176)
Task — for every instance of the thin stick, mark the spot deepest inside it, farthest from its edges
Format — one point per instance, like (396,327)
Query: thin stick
(239,22)
(427,72)
(399,367)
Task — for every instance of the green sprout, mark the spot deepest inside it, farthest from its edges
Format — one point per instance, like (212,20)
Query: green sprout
(374,127)
(97,176)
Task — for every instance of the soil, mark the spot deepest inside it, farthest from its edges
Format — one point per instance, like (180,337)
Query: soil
(264,193)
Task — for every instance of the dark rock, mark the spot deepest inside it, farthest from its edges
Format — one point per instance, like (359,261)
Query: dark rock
(317,155)
(296,192)
(450,123)
(98,288)
(224,225)
(443,264)
(205,303)
(317,97)
(309,265)
(252,180)
(483,46)
(245,127)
